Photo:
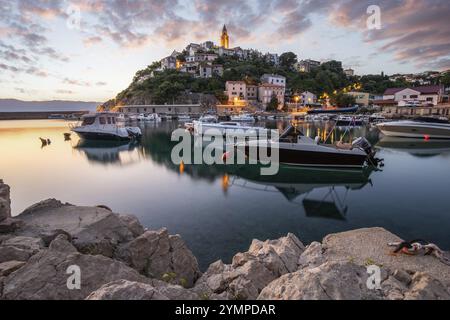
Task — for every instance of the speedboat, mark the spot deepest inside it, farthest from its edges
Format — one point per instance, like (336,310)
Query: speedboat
(149,117)
(224,128)
(243,117)
(208,118)
(184,117)
(297,149)
(104,126)
(415,129)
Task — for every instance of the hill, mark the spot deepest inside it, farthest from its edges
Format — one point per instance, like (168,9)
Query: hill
(14,105)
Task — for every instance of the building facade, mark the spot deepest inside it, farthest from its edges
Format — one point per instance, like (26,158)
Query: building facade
(165,109)
(236,91)
(266,91)
(362,98)
(273,79)
(306,65)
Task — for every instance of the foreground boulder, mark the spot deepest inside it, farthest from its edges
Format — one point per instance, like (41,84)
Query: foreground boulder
(251,271)
(159,255)
(45,275)
(94,230)
(5,201)
(131,290)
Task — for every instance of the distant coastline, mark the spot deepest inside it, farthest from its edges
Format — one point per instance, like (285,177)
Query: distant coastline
(54,106)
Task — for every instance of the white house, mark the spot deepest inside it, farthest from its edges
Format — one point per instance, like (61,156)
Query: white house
(267,90)
(308,98)
(236,90)
(431,95)
(274,79)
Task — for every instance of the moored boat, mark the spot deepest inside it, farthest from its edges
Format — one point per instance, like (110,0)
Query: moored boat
(415,129)
(229,127)
(105,126)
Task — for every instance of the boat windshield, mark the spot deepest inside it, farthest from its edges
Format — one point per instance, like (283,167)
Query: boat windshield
(291,135)
(88,121)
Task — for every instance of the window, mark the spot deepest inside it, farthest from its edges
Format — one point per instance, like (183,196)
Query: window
(404,97)
(102,120)
(430,99)
(109,120)
(114,120)
(154,110)
(414,96)
(88,121)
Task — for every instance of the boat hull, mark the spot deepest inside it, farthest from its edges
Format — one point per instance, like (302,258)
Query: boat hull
(415,130)
(101,136)
(307,158)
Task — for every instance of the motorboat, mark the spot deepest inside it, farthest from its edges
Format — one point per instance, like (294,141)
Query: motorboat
(299,150)
(224,128)
(349,121)
(208,118)
(149,117)
(243,117)
(376,118)
(416,129)
(104,126)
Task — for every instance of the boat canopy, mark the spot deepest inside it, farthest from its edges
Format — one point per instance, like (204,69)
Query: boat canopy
(291,134)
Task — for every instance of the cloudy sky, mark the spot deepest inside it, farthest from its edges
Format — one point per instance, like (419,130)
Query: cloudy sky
(90,50)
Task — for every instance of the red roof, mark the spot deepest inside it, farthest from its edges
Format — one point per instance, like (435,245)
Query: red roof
(422,90)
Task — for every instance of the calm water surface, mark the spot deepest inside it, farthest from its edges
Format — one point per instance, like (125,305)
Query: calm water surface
(218,210)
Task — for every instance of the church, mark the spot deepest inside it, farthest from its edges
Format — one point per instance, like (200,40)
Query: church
(224,38)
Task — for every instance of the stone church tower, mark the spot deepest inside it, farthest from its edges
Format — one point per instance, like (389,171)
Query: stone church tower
(224,39)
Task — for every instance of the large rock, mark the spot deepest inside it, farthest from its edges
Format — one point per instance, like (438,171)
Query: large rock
(9,267)
(370,246)
(19,248)
(131,290)
(44,275)
(251,271)
(5,201)
(160,255)
(330,281)
(94,230)
(10,225)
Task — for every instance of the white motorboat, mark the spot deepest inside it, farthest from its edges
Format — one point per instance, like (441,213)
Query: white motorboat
(228,127)
(416,129)
(104,126)
(297,149)
(149,117)
(243,117)
(208,118)
(349,121)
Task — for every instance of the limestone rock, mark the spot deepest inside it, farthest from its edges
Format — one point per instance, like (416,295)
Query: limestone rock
(93,230)
(10,225)
(19,248)
(8,253)
(5,201)
(45,276)
(131,290)
(425,287)
(313,256)
(370,246)
(158,255)
(126,290)
(330,281)
(9,267)
(251,271)
(133,224)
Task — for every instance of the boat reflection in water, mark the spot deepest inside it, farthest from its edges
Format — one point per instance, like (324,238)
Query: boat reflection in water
(296,183)
(109,152)
(414,146)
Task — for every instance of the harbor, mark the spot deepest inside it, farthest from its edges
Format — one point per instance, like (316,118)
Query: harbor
(219,209)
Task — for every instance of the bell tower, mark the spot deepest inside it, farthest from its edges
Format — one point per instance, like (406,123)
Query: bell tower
(224,39)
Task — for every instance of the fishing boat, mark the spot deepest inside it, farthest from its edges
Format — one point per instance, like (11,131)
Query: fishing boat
(243,117)
(427,129)
(104,126)
(299,150)
(224,128)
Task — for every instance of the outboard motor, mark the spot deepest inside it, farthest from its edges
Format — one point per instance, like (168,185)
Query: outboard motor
(363,144)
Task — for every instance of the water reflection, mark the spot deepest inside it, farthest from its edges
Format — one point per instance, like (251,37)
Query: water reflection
(109,152)
(416,147)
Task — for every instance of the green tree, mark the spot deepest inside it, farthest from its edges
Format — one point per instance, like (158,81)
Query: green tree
(273,104)
(445,79)
(342,100)
(288,59)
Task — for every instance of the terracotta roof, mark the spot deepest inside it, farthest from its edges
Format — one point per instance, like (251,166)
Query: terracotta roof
(422,89)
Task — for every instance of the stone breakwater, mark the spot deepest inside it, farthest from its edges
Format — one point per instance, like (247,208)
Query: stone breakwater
(119,259)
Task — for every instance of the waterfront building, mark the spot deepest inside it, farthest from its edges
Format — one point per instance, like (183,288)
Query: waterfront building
(267,90)
(165,109)
(252,92)
(236,91)
(362,98)
(426,95)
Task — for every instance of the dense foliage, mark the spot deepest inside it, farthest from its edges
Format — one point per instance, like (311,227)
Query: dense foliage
(329,78)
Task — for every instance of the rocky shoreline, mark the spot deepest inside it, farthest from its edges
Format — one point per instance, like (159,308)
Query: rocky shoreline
(119,259)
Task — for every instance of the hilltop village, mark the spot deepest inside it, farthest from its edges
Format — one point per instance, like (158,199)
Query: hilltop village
(209,76)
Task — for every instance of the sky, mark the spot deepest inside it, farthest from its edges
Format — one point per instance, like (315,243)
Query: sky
(90,49)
